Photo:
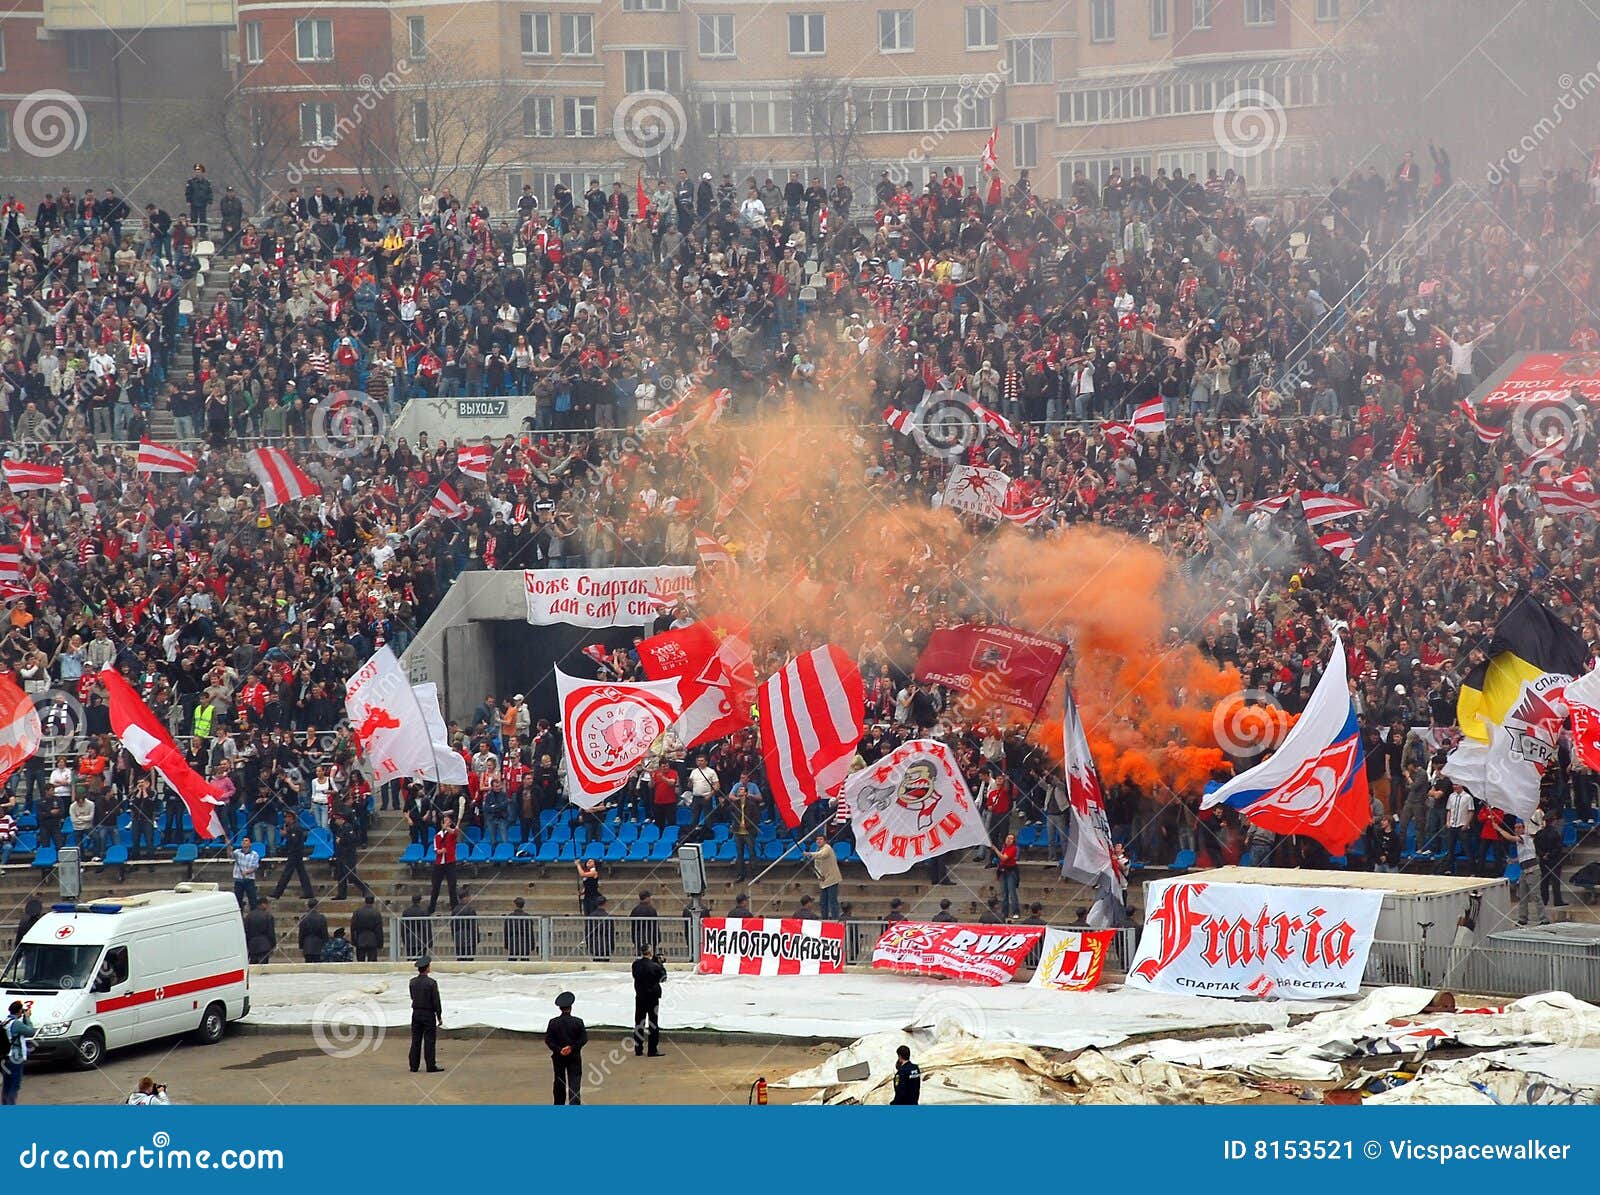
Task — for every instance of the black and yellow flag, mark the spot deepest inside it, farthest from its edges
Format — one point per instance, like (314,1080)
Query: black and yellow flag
(1528,642)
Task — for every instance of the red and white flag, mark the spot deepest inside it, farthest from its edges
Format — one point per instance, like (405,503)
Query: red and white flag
(608,728)
(913,804)
(1406,451)
(19,727)
(397,727)
(811,720)
(1091,857)
(997,422)
(988,954)
(744,473)
(1018,508)
(11,563)
(1583,701)
(158,458)
(87,504)
(712,407)
(1117,434)
(447,503)
(25,475)
(1554,451)
(712,551)
(976,490)
(1494,517)
(1570,495)
(989,161)
(1270,505)
(147,740)
(1484,431)
(599,654)
(665,417)
(281,479)
(1323,508)
(1341,543)
(901,421)
(716,676)
(474,460)
(1150,417)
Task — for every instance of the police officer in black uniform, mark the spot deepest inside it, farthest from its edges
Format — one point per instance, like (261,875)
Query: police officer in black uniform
(648,974)
(427,1014)
(907,1078)
(566,1037)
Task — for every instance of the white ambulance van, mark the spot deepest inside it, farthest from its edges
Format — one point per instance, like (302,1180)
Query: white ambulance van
(100,976)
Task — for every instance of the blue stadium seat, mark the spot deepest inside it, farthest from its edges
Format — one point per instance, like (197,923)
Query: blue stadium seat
(560,834)
(412,855)
(187,852)
(1247,859)
(769,851)
(321,849)
(628,832)
(683,816)
(1183,861)
(1338,861)
(843,851)
(649,832)
(548,853)
(514,833)
(661,852)
(1569,835)
(1028,836)
(616,852)
(27,841)
(45,857)
(506,852)
(566,852)
(27,821)
(670,835)
(481,852)
(548,817)
(720,831)
(117,856)
(638,852)
(474,834)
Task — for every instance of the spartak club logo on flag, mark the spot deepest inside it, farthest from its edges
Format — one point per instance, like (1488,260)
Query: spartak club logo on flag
(609,729)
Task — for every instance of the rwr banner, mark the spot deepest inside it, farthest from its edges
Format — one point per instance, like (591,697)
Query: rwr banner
(987,954)
(1256,940)
(771,946)
(604,597)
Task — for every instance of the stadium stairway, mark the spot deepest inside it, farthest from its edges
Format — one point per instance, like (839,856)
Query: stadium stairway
(207,288)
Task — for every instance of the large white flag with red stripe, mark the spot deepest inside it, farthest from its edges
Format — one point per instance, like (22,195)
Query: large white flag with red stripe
(11,563)
(1116,433)
(474,460)
(25,475)
(281,479)
(608,729)
(447,503)
(152,747)
(19,727)
(1570,495)
(989,160)
(1485,432)
(1150,417)
(395,732)
(1556,450)
(665,417)
(998,423)
(811,720)
(712,550)
(1341,543)
(1323,508)
(158,458)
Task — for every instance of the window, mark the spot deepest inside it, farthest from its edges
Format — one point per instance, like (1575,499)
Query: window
(652,70)
(806,33)
(983,27)
(1327,10)
(577,35)
(1202,13)
(1103,20)
(1260,12)
(716,35)
(419,120)
(5,129)
(1032,60)
(649,5)
(1025,145)
(538,116)
(896,31)
(79,55)
(313,40)
(317,125)
(579,115)
(2,48)
(1160,18)
(536,33)
(252,42)
(417,37)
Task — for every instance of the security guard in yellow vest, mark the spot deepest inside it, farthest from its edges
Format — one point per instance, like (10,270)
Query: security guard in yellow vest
(204,715)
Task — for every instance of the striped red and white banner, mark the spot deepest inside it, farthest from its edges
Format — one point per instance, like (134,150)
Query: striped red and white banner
(811,721)
(474,460)
(11,563)
(771,946)
(280,478)
(447,503)
(159,458)
(25,475)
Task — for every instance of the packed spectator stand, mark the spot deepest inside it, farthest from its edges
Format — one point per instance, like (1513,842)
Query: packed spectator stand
(1293,341)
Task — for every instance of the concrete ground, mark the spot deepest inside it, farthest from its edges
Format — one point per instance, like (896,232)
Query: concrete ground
(289,1067)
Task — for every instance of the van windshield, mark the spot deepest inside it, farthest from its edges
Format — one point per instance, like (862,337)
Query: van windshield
(47,967)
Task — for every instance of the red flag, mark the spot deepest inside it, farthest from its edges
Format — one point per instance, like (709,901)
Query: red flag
(1116,434)
(447,503)
(1405,451)
(644,203)
(1494,516)
(711,660)
(19,727)
(1150,417)
(1484,431)
(992,664)
(1341,543)
(11,563)
(158,458)
(24,475)
(998,423)
(898,419)
(474,459)
(712,551)
(811,721)
(989,161)
(281,479)
(151,746)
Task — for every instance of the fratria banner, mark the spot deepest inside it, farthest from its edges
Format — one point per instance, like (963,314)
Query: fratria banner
(1542,377)
(1257,940)
(987,954)
(1072,961)
(992,665)
(771,946)
(603,597)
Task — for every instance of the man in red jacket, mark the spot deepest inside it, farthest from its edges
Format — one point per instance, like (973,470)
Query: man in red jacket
(444,862)
(664,794)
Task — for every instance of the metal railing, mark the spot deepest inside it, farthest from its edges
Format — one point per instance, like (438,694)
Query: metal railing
(1486,969)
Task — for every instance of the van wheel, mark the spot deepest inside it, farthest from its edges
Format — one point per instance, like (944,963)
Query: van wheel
(91,1049)
(212,1025)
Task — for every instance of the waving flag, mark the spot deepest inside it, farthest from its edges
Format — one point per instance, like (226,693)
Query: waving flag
(1583,701)
(1116,434)
(712,551)
(1150,417)
(1021,510)
(1323,508)
(158,458)
(19,728)
(716,677)
(11,563)
(1506,771)
(1341,543)
(447,503)
(1091,856)
(1529,641)
(281,479)
(1494,517)
(1315,784)
(712,407)
(1570,495)
(901,421)
(24,475)
(811,720)
(141,732)
(1270,505)
(744,473)
(474,460)
(608,728)
(989,162)
(1554,451)
(912,805)
(665,417)
(394,730)
(976,490)
(1406,451)
(998,423)
(1485,432)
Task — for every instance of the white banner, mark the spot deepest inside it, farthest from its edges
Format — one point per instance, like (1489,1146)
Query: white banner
(392,726)
(976,490)
(913,804)
(603,597)
(1207,939)
(608,729)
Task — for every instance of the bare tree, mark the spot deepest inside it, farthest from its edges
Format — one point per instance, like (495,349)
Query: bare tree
(259,134)
(449,128)
(832,113)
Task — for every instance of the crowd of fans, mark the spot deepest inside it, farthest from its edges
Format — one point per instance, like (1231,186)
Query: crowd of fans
(240,624)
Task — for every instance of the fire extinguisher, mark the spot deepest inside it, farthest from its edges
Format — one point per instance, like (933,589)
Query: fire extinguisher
(758,1092)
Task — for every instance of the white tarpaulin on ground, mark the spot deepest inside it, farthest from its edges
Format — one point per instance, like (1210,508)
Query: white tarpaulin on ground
(1256,940)
(844,1006)
(603,597)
